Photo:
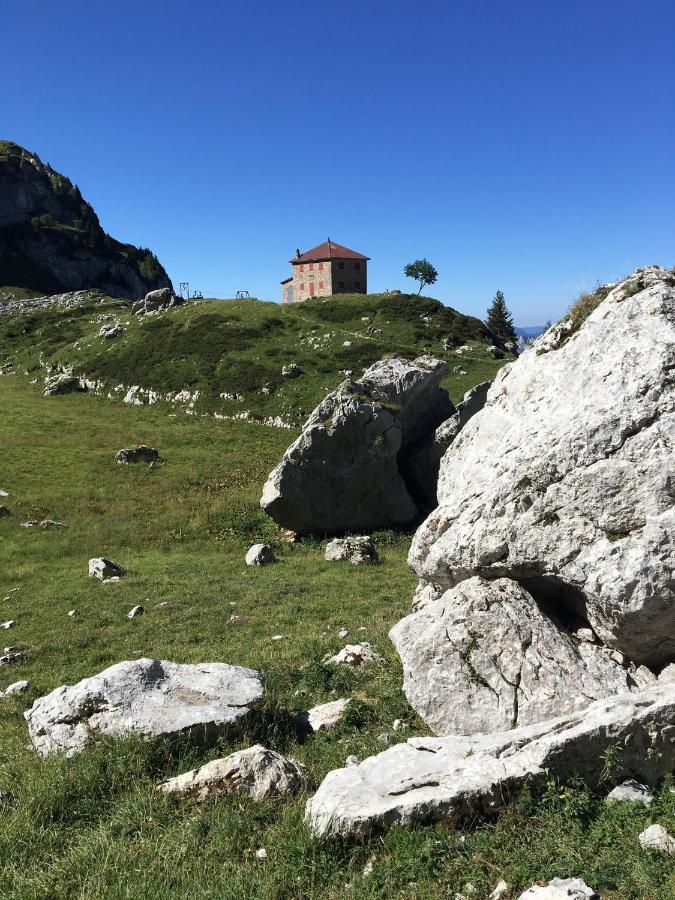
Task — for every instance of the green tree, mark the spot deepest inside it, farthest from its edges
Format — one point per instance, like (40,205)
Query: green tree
(500,321)
(421,270)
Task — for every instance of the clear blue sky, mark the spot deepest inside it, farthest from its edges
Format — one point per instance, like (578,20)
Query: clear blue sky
(527,146)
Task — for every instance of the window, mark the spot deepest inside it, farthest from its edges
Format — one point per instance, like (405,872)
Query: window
(320,267)
(302,268)
(357,266)
(357,284)
(321,285)
(341,265)
(302,287)
(311,267)
(341,284)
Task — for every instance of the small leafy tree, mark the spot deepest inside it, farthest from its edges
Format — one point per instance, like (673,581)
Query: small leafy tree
(500,321)
(421,270)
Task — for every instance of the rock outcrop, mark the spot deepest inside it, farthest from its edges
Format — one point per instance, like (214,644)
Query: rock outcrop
(484,657)
(149,697)
(563,481)
(257,772)
(142,453)
(51,240)
(432,779)
(156,301)
(357,550)
(346,470)
(64,384)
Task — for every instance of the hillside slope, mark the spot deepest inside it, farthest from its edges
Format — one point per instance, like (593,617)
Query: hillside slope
(51,239)
(231,353)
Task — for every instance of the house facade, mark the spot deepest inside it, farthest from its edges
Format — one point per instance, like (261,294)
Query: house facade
(327,269)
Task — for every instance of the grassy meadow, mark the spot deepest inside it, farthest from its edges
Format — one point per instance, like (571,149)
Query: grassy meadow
(94,826)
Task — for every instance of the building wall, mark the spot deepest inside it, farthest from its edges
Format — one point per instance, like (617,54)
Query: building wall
(350,276)
(287,292)
(311,280)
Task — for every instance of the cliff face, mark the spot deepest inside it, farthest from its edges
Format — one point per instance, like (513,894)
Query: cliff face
(51,239)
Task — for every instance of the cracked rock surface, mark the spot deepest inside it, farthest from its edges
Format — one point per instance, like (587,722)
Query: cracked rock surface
(149,697)
(431,779)
(564,480)
(344,472)
(484,657)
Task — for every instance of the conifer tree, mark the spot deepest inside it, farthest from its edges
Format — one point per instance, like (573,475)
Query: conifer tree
(499,319)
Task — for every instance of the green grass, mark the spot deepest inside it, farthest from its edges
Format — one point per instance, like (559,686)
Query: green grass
(239,347)
(93,826)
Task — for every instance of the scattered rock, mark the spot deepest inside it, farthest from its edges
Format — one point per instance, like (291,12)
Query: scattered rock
(561,481)
(560,889)
(4,511)
(107,332)
(72,613)
(631,790)
(501,891)
(64,384)
(343,632)
(657,838)
(261,853)
(484,657)
(352,760)
(4,494)
(292,370)
(342,473)
(277,637)
(139,454)
(355,655)
(11,656)
(155,301)
(103,568)
(432,779)
(149,697)
(260,555)
(325,716)
(136,611)
(257,772)
(10,623)
(357,550)
(18,687)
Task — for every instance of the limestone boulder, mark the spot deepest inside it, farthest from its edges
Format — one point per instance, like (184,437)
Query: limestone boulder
(346,471)
(259,555)
(560,889)
(324,716)
(430,779)
(563,481)
(257,772)
(358,550)
(141,454)
(149,697)
(484,657)
(104,569)
(63,384)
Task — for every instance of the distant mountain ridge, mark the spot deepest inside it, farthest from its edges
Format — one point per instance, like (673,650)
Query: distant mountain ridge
(51,239)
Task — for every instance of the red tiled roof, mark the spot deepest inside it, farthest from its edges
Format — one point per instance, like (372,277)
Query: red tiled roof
(328,250)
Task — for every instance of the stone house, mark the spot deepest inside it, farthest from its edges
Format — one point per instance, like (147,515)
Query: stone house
(325,270)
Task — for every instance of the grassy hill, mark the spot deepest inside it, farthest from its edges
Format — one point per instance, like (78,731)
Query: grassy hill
(239,347)
(94,826)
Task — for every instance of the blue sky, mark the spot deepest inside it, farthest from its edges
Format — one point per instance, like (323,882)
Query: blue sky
(525,146)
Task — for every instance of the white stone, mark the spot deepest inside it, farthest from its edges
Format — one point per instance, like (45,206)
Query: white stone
(324,716)
(484,657)
(261,853)
(430,779)
(356,550)
(355,655)
(631,790)
(563,480)
(657,838)
(136,611)
(257,772)
(259,555)
(10,623)
(104,569)
(18,687)
(500,892)
(149,697)
(560,889)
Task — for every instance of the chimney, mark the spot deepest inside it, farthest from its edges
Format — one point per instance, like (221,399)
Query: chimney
(297,253)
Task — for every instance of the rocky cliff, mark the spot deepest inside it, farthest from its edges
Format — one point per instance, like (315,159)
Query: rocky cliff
(51,240)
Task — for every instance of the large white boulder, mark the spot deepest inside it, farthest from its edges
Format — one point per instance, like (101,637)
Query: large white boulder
(432,779)
(560,889)
(564,480)
(484,657)
(346,471)
(149,697)
(257,772)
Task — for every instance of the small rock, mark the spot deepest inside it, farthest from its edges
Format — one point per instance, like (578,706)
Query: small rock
(10,657)
(384,738)
(632,791)
(5,798)
(325,716)
(4,494)
(292,370)
(398,725)
(136,611)
(110,331)
(343,633)
(277,637)
(104,569)
(560,889)
(585,634)
(346,343)
(657,838)
(142,453)
(261,853)
(368,868)
(357,550)
(355,655)
(352,760)
(260,555)
(72,613)
(4,511)
(19,687)
(500,892)
(10,623)
(257,772)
